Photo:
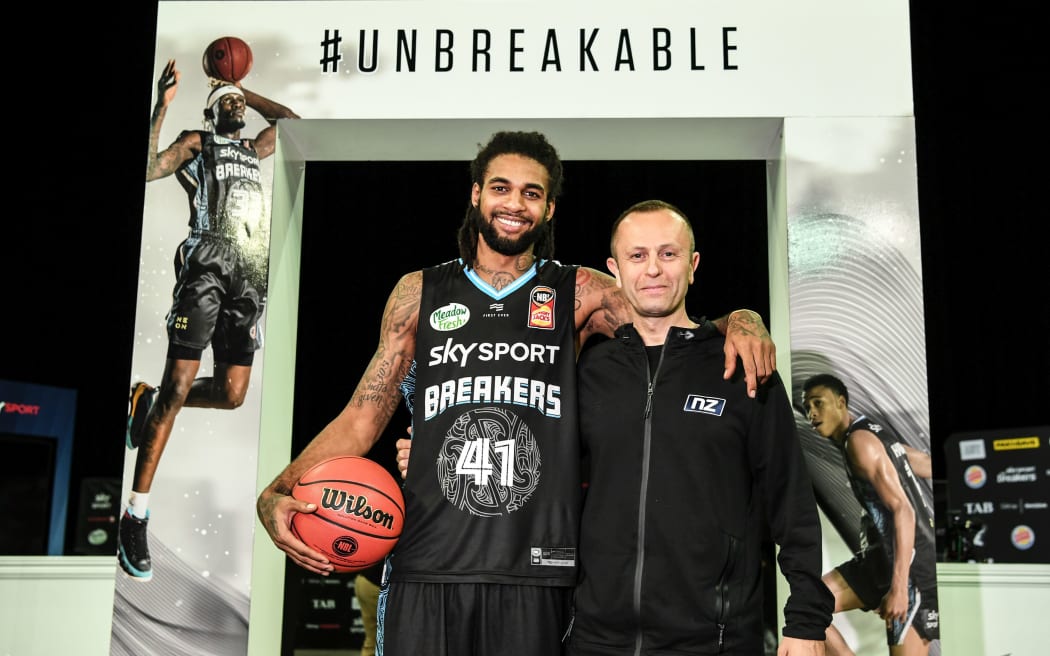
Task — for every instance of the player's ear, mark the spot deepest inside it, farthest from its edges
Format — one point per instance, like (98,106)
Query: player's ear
(208,114)
(475,194)
(614,269)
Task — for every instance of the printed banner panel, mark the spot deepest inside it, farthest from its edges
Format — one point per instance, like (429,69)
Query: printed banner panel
(857,314)
(510,59)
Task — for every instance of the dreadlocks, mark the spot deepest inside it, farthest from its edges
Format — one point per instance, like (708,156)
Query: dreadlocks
(527,144)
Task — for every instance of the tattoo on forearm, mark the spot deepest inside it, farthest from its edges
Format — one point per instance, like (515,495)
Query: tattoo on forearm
(746,323)
(379,385)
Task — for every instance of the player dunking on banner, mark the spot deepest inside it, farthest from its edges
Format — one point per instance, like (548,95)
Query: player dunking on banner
(220,288)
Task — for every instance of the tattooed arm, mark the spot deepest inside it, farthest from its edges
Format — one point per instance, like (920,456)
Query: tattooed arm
(747,337)
(355,429)
(162,163)
(600,305)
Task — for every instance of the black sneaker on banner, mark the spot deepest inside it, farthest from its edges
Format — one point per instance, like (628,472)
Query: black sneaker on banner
(132,547)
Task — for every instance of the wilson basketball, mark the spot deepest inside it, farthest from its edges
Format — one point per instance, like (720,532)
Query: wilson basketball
(360,511)
(227,58)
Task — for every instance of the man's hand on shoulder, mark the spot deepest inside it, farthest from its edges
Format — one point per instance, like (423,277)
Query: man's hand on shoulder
(748,339)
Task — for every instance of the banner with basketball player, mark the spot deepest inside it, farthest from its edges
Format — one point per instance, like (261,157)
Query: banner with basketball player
(205,304)
(193,418)
(857,315)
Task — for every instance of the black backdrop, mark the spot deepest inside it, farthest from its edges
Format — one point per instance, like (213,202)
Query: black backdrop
(80,95)
(357,243)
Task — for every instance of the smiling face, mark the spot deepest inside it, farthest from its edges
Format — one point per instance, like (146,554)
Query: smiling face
(512,205)
(654,261)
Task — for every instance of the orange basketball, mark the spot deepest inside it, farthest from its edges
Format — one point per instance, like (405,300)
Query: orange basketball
(227,58)
(360,511)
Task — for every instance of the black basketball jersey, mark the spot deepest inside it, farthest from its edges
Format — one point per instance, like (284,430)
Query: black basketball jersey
(493,487)
(878,522)
(225,190)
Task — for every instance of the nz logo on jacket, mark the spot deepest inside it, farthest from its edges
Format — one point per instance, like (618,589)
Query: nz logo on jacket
(707,405)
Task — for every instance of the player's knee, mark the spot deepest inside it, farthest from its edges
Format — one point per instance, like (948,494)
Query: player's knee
(232,397)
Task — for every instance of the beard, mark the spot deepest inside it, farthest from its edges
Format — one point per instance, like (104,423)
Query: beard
(505,245)
(227,125)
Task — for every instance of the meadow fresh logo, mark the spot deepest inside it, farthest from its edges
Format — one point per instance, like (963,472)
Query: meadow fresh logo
(449,317)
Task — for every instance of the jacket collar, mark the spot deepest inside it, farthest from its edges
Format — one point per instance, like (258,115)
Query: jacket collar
(677,334)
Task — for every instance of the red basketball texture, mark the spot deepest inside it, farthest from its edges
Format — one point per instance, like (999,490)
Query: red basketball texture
(360,511)
(227,58)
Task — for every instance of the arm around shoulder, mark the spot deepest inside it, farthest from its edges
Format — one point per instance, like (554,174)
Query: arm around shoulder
(748,339)
(600,305)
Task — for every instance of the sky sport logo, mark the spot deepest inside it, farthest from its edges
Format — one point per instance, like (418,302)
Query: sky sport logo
(19,408)
(975,477)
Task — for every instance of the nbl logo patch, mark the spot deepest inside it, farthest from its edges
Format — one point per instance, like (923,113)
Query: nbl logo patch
(541,308)
(708,405)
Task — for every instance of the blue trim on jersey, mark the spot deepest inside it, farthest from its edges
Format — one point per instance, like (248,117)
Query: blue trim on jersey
(384,588)
(489,290)
(408,387)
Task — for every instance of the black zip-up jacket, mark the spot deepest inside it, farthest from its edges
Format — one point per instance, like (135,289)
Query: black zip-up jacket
(685,475)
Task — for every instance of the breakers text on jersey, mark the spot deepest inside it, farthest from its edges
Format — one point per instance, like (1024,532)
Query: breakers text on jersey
(246,166)
(514,390)
(225,170)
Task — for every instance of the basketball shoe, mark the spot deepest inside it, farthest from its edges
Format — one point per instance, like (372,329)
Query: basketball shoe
(132,548)
(142,398)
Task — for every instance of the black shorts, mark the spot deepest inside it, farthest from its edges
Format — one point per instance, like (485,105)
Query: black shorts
(869,575)
(471,619)
(216,300)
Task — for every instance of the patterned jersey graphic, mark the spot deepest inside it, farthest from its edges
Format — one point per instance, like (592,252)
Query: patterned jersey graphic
(489,464)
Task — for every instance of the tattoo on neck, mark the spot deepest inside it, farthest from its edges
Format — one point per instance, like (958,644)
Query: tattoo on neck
(500,279)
